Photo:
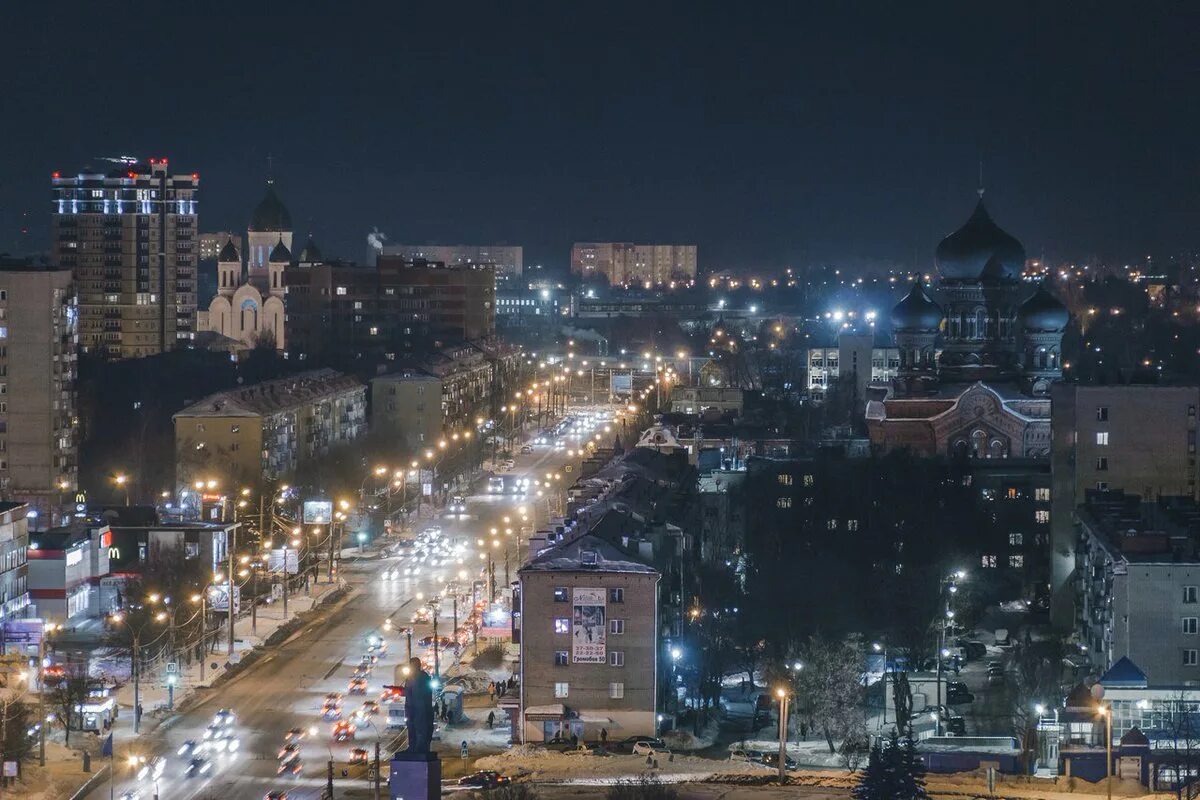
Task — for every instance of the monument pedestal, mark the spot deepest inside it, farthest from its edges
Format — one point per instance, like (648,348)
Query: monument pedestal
(415,776)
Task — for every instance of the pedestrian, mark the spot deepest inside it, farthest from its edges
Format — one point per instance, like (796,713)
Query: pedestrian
(604,737)
(574,740)
(491,692)
(803,729)
(491,719)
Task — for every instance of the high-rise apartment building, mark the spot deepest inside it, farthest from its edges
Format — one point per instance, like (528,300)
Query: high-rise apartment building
(509,260)
(211,244)
(1136,439)
(450,300)
(38,446)
(128,234)
(623,263)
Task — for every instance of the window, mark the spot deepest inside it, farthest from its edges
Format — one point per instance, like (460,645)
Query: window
(1016,539)
(851,524)
(1101,486)
(1189,594)
(988,561)
(1189,658)
(1016,562)
(1101,463)
(561,594)
(1042,516)
(783,502)
(1041,494)
(616,595)
(562,625)
(616,626)
(561,689)
(616,658)
(1011,494)
(561,659)
(808,480)
(1102,438)
(616,691)
(784,479)
(1191,625)
(1101,413)
(341,290)
(831,524)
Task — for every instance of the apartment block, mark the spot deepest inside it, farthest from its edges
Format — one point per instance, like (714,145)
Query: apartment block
(406,407)
(508,260)
(587,625)
(855,354)
(1139,439)
(128,232)
(38,427)
(15,601)
(623,263)
(267,430)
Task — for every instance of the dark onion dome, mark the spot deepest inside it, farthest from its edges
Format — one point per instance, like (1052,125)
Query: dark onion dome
(917,311)
(980,250)
(271,214)
(229,253)
(310,254)
(280,253)
(1043,312)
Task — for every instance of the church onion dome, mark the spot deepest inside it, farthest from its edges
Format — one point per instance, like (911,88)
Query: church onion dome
(229,253)
(1043,312)
(280,253)
(980,251)
(271,214)
(917,311)
(310,254)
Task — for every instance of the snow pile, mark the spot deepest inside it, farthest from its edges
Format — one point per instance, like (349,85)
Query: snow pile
(684,739)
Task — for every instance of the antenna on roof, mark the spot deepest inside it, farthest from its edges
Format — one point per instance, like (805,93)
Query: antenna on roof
(270,169)
(980,190)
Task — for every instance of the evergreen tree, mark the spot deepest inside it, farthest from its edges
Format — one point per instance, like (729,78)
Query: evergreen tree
(910,771)
(871,779)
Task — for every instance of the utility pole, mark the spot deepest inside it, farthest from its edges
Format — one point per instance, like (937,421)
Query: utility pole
(254,600)
(330,565)
(232,538)
(377,770)
(203,629)
(329,779)
(137,691)
(455,600)
(285,577)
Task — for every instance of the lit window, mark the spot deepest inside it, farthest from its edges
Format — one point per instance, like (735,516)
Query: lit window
(1102,438)
(341,290)
(1042,516)
(783,502)
(1016,539)
(851,524)
(561,594)
(1016,562)
(1041,494)
(616,691)
(808,480)
(988,561)
(561,689)
(562,625)
(785,479)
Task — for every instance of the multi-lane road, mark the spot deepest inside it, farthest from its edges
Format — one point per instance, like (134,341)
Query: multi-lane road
(286,688)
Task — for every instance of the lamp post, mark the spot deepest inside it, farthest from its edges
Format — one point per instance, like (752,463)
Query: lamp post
(122,619)
(49,629)
(782,694)
(878,648)
(1106,712)
(437,665)
(122,482)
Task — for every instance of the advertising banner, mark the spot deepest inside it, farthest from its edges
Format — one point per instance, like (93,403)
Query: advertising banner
(275,561)
(588,627)
(218,598)
(620,382)
(318,512)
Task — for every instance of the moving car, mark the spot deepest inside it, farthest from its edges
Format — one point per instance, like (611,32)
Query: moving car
(343,732)
(290,767)
(295,735)
(187,749)
(526,449)
(772,760)
(276,795)
(289,751)
(746,756)
(358,756)
(358,686)
(484,779)
(224,717)
(369,708)
(153,769)
(957,693)
(197,768)
(995,673)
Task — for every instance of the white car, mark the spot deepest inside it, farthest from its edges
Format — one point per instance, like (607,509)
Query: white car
(648,749)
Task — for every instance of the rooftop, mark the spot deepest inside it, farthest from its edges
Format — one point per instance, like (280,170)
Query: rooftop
(271,397)
(1166,530)
(573,556)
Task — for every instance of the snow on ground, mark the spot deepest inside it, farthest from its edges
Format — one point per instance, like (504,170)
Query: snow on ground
(684,739)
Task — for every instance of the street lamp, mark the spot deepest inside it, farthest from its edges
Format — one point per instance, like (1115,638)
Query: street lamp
(120,618)
(782,694)
(122,482)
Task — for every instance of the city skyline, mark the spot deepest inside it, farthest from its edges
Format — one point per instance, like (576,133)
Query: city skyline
(767,137)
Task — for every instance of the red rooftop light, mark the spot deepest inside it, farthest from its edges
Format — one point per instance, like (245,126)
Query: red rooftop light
(56,175)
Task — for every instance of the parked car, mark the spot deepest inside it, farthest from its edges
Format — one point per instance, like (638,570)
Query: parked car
(957,694)
(772,760)
(484,779)
(975,649)
(560,744)
(746,756)
(626,745)
(650,749)
(526,449)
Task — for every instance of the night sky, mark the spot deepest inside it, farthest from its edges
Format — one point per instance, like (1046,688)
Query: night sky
(769,133)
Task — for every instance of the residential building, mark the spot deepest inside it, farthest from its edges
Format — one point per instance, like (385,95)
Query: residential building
(707,399)
(1139,439)
(722,516)
(211,244)
(128,232)
(623,263)
(14,570)
(456,301)
(267,430)
(1138,585)
(332,313)
(66,566)
(587,625)
(406,407)
(508,260)
(854,355)
(1013,539)
(975,370)
(39,449)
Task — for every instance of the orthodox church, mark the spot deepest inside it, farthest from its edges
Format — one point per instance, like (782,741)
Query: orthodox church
(976,363)
(249,305)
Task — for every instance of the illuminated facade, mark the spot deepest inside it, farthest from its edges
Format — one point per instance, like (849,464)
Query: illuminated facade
(976,365)
(128,234)
(624,263)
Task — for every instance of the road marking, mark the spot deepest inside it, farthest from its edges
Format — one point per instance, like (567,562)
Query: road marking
(334,668)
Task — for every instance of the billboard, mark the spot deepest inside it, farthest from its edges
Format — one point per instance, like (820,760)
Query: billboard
(620,382)
(318,512)
(218,598)
(588,627)
(275,561)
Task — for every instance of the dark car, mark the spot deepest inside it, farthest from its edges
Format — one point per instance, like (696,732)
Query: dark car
(772,760)
(560,744)
(957,694)
(484,779)
(197,768)
(626,744)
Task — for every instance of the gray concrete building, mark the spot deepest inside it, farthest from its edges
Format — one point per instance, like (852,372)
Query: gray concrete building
(407,407)
(1138,586)
(587,627)
(1139,439)
(39,449)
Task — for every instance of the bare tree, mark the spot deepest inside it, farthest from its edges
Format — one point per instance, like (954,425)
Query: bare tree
(67,693)
(1036,679)
(16,721)
(831,685)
